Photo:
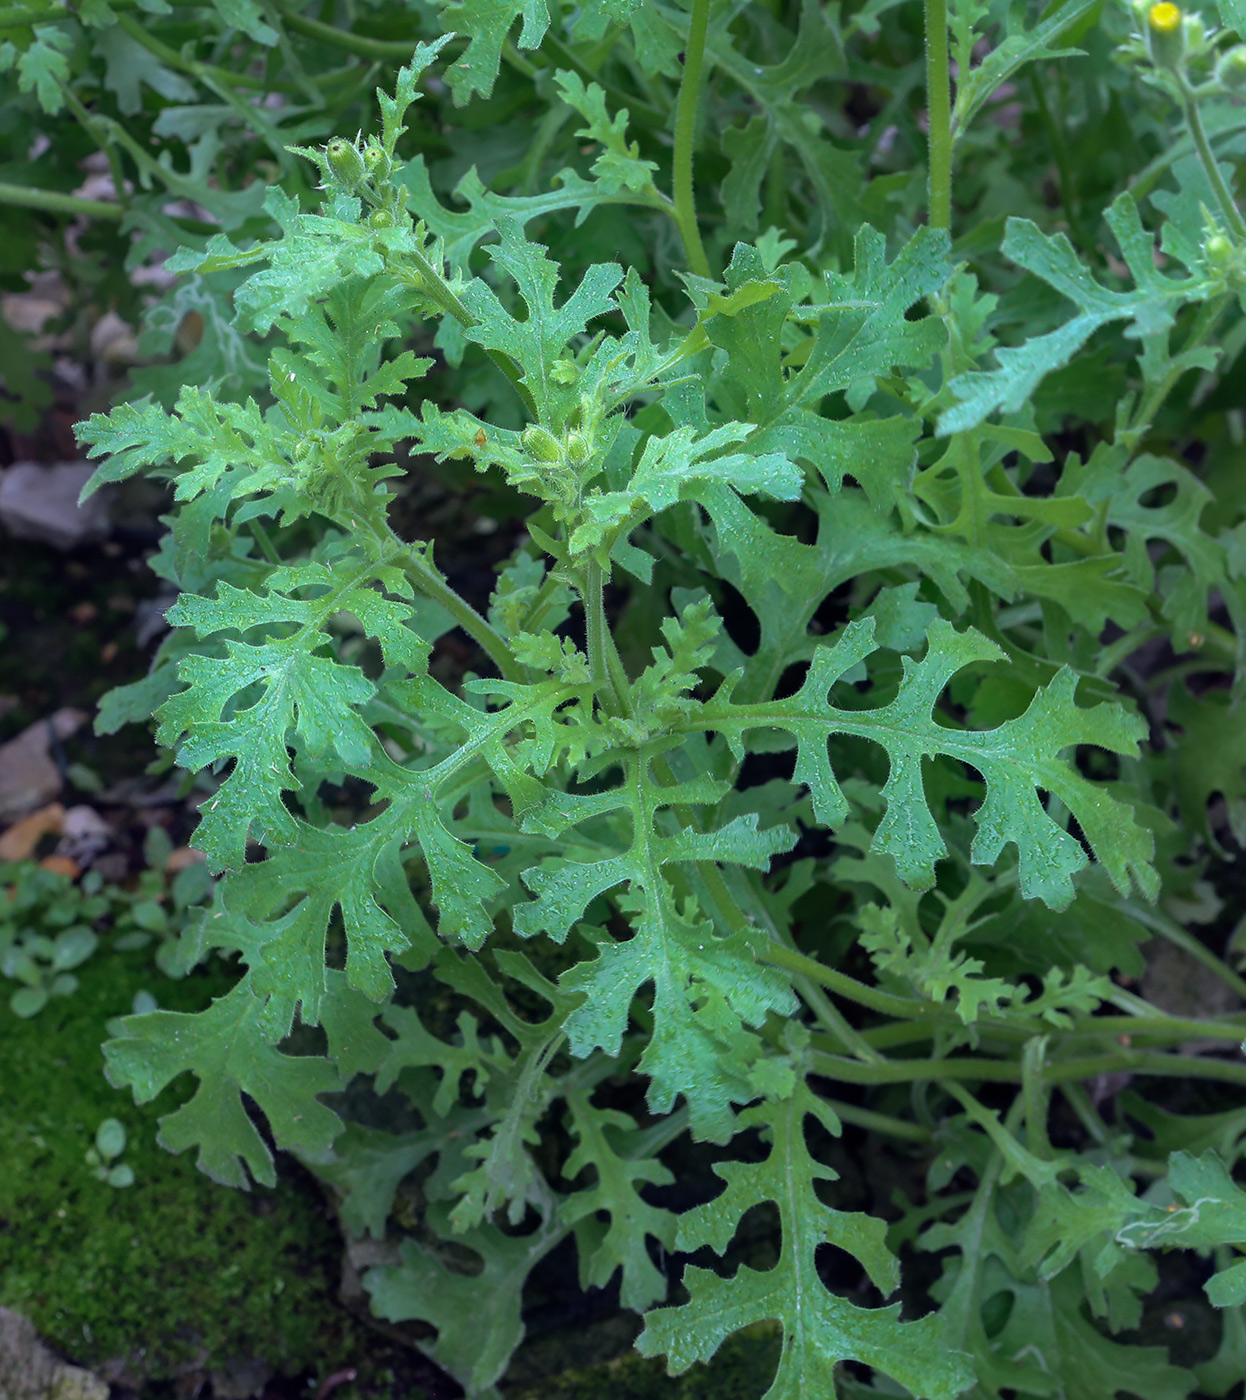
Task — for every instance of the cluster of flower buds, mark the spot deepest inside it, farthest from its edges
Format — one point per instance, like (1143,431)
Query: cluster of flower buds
(361,168)
(1175,44)
(543,446)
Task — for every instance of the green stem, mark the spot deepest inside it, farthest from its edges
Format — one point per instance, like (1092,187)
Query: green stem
(603,659)
(685,139)
(221,82)
(1009,1072)
(883,1002)
(27,197)
(939,110)
(751,913)
(1060,152)
(1079,1101)
(396,50)
(205,72)
(1194,120)
(877,1122)
(1141,419)
(433,586)
(639,112)
(1036,1094)
(1150,175)
(1160,923)
(264,540)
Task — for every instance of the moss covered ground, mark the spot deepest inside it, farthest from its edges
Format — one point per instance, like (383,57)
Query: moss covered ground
(172,1274)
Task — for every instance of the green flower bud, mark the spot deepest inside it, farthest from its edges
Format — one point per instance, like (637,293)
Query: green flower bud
(346,163)
(564,372)
(1219,252)
(577,448)
(541,443)
(379,165)
(381,218)
(1231,70)
(1165,34)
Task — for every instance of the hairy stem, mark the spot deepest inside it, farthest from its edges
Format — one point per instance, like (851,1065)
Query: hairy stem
(685,139)
(609,679)
(939,110)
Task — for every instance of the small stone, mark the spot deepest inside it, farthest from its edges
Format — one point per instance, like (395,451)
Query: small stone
(240,1379)
(41,503)
(28,776)
(29,1371)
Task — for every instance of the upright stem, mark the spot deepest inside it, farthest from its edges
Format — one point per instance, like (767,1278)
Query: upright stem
(939,109)
(685,136)
(599,639)
(1225,199)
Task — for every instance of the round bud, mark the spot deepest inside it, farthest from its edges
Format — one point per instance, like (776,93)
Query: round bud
(345,162)
(541,443)
(378,163)
(577,448)
(1219,252)
(381,218)
(1165,34)
(1231,70)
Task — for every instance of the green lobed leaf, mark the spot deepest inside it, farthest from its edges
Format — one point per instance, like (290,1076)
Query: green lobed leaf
(230,1053)
(1015,760)
(820,1328)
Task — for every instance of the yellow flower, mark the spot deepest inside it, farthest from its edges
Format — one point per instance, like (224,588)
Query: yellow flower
(1164,18)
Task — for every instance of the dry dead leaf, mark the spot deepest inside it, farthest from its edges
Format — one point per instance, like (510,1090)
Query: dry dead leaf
(21,839)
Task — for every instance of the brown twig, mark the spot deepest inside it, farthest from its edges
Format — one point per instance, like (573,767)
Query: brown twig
(334,1379)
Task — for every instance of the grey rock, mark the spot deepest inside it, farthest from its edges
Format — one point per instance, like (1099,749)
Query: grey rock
(28,776)
(41,503)
(29,1371)
(240,1379)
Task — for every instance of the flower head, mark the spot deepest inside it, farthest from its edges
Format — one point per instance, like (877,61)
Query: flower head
(1165,34)
(1164,18)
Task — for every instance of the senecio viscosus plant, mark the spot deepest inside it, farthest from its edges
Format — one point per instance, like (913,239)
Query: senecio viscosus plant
(803,800)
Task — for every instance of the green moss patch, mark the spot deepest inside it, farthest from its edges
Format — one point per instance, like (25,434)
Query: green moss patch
(174,1272)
